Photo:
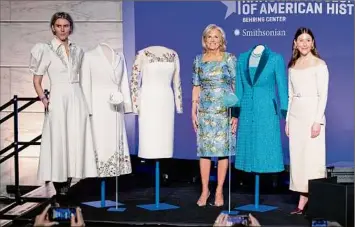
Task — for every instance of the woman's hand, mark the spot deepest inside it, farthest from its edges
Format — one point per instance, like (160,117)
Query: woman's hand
(315,130)
(45,102)
(194,121)
(234,123)
(77,220)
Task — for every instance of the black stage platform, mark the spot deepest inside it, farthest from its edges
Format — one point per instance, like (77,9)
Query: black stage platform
(138,188)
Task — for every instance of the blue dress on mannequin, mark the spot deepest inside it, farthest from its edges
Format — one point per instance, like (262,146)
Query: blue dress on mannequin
(259,148)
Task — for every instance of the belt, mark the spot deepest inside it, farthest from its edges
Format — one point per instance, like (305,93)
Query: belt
(65,82)
(299,95)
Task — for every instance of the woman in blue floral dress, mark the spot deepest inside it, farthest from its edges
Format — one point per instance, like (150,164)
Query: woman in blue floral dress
(213,78)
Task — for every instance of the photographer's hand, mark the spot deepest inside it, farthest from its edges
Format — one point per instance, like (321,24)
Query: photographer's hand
(79,219)
(43,220)
(253,221)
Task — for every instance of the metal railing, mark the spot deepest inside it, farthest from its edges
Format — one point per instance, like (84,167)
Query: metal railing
(17,145)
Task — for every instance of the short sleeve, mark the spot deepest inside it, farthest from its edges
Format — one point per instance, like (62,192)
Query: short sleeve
(38,62)
(195,72)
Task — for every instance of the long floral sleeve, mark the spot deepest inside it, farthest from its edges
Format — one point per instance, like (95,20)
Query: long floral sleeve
(135,81)
(177,85)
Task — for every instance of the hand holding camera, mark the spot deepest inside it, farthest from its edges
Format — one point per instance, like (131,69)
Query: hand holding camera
(51,216)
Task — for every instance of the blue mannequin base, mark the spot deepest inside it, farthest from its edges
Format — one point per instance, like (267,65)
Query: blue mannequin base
(159,206)
(98,204)
(256,207)
(114,209)
(260,208)
(231,212)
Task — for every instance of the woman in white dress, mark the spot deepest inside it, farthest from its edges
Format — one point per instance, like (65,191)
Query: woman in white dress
(305,122)
(67,145)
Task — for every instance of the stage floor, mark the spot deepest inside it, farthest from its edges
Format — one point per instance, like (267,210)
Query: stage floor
(181,194)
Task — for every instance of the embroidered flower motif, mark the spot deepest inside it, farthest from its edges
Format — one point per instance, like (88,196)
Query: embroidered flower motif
(75,57)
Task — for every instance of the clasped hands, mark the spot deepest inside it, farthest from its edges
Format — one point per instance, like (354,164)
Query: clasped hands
(233,122)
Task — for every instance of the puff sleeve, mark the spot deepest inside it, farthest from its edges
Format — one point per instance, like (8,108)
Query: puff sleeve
(39,62)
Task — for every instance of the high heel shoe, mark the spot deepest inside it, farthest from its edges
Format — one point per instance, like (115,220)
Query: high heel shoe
(200,203)
(218,203)
(297,211)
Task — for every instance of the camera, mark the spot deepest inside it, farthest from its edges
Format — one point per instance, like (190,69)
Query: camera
(319,223)
(61,214)
(239,219)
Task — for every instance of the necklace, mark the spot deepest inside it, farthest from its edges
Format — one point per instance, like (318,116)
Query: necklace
(256,55)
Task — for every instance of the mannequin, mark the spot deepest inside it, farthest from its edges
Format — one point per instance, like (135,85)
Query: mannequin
(103,79)
(259,140)
(108,51)
(155,67)
(255,57)
(259,148)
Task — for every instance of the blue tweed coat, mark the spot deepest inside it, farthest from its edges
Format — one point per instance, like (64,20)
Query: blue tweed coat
(259,146)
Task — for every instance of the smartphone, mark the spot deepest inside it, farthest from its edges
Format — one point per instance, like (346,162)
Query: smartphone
(61,214)
(239,219)
(319,223)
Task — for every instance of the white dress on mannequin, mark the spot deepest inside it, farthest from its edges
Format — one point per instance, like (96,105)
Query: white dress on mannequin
(104,73)
(155,68)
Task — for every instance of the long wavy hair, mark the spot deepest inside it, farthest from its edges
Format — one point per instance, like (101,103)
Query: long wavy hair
(295,52)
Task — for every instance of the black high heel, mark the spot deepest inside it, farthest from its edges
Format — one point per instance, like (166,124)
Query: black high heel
(297,211)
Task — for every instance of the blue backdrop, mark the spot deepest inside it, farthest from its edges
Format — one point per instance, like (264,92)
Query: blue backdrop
(179,25)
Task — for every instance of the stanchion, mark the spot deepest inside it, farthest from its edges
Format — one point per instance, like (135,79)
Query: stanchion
(229,101)
(256,207)
(157,205)
(103,203)
(120,146)
(116,208)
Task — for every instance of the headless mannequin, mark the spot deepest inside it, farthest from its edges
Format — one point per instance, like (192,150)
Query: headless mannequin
(256,55)
(254,60)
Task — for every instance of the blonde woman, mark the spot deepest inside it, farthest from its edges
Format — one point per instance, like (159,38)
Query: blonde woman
(213,78)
